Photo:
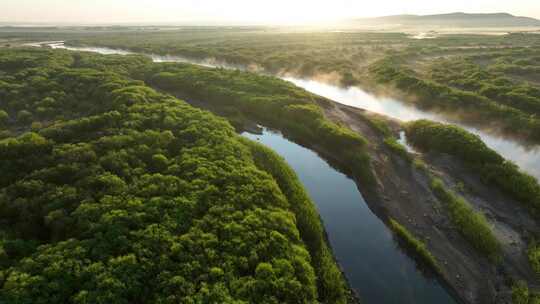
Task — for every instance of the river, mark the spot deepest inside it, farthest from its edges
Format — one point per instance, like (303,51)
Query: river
(376,268)
(527,158)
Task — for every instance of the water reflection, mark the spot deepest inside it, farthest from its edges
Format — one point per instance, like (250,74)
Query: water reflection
(374,265)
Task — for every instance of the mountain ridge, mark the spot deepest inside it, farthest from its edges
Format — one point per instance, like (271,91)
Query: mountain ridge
(459,19)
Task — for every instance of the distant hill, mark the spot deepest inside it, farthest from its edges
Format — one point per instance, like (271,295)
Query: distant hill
(452,20)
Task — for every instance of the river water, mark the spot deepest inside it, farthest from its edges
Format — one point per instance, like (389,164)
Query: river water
(527,158)
(376,268)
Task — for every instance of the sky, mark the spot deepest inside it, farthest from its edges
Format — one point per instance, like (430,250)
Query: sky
(240,11)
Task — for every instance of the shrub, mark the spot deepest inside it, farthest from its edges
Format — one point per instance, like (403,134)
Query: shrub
(534,256)
(471,224)
(470,149)
(4,118)
(398,148)
(416,245)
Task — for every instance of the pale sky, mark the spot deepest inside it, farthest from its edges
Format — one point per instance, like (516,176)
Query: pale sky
(241,11)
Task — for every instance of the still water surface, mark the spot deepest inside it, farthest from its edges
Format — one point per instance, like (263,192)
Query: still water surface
(376,268)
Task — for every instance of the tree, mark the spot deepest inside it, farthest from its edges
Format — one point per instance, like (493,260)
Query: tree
(4,118)
(24,117)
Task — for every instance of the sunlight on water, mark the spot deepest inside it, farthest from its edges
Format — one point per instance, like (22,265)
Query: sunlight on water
(528,159)
(356,97)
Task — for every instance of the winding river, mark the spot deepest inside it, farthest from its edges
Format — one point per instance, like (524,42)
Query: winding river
(374,264)
(527,158)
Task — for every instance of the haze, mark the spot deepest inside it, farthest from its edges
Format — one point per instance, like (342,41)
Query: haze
(238,11)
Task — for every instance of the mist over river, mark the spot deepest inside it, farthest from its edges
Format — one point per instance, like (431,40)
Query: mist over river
(527,158)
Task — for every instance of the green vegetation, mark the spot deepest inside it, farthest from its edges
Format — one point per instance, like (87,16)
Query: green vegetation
(534,256)
(469,74)
(414,244)
(472,106)
(482,83)
(428,135)
(121,194)
(483,78)
(331,286)
(4,118)
(345,54)
(128,176)
(307,53)
(389,139)
(493,168)
(269,101)
(380,125)
(420,164)
(471,224)
(522,295)
(392,143)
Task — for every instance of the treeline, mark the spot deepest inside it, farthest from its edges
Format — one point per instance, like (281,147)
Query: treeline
(471,105)
(114,193)
(493,168)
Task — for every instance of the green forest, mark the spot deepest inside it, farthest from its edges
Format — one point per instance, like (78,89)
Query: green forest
(113,192)
(273,102)
(126,178)
(479,78)
(461,87)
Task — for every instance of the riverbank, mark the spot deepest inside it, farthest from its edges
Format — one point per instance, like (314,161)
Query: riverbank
(403,193)
(468,275)
(363,245)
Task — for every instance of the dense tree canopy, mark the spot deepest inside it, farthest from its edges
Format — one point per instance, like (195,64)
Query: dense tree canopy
(270,101)
(114,193)
(460,85)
